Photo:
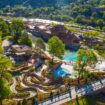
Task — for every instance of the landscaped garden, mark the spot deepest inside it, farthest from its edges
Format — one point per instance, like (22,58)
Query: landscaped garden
(34,73)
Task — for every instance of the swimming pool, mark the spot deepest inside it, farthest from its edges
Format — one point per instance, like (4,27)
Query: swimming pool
(70,55)
(60,72)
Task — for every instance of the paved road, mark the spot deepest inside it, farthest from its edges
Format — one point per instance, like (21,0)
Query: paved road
(87,89)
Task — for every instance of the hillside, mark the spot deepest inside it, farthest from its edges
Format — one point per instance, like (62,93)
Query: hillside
(40,3)
(33,3)
(4,3)
(85,12)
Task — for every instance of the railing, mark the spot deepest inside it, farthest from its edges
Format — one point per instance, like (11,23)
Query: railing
(55,99)
(83,90)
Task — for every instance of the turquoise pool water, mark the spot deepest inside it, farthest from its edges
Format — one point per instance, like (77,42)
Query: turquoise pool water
(59,72)
(70,55)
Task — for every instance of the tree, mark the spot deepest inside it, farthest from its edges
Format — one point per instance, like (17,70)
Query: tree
(85,58)
(103,28)
(5,64)
(56,47)
(92,34)
(4,28)
(102,2)
(4,89)
(79,19)
(4,76)
(94,15)
(1,49)
(104,37)
(40,43)
(25,39)
(17,26)
(100,23)
(24,102)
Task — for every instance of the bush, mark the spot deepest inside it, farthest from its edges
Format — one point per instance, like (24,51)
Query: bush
(9,38)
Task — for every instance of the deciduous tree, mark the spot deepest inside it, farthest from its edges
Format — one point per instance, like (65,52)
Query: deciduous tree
(56,47)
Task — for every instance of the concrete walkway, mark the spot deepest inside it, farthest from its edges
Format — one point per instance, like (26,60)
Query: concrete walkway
(71,94)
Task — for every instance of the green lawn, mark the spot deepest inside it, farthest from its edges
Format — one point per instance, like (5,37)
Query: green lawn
(88,100)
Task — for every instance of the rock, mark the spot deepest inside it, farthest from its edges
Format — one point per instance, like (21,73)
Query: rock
(46,31)
(66,36)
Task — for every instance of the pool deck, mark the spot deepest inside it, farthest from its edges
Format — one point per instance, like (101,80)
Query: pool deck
(67,68)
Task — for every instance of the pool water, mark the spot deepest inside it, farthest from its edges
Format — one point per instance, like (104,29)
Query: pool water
(62,73)
(70,55)
(59,72)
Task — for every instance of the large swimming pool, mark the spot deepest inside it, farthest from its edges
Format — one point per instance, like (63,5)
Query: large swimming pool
(68,56)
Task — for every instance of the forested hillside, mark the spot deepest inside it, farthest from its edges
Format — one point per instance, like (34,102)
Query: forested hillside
(85,12)
(36,3)
(33,3)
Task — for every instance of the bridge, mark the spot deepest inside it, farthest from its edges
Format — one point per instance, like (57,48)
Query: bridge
(74,92)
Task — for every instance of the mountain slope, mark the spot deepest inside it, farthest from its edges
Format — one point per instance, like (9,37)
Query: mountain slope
(33,3)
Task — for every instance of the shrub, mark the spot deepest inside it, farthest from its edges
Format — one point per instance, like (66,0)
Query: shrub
(9,38)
